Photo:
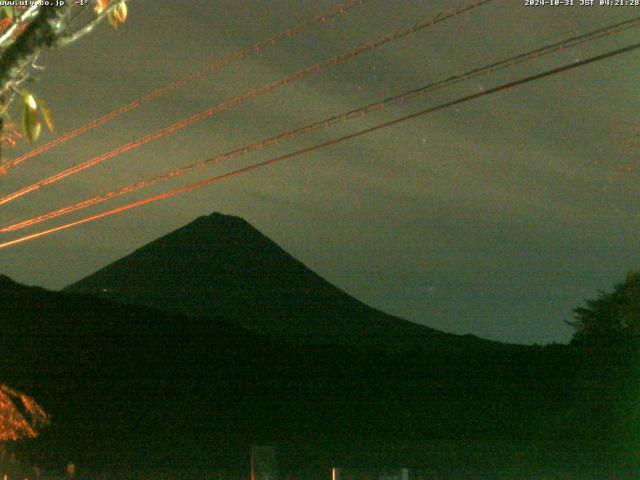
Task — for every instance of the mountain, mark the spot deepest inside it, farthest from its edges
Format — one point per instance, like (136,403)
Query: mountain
(131,388)
(221,265)
(129,385)
(117,379)
(181,354)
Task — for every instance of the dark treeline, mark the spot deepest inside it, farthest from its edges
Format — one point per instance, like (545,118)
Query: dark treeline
(134,389)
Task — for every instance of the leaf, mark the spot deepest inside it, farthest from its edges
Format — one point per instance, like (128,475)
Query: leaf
(120,12)
(31,125)
(29,99)
(113,21)
(101,6)
(46,114)
(118,15)
(9,12)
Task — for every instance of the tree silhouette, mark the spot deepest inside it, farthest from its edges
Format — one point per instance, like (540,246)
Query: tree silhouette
(611,316)
(20,417)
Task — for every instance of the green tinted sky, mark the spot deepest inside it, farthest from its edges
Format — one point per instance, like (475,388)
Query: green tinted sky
(494,218)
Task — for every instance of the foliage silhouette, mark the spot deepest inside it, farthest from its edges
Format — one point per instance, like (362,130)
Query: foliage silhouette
(611,316)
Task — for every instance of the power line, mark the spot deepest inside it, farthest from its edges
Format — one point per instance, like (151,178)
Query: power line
(328,122)
(303,151)
(256,92)
(197,75)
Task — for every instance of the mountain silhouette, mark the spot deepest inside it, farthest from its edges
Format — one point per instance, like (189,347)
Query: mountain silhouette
(128,385)
(221,265)
(135,389)
(180,356)
(115,378)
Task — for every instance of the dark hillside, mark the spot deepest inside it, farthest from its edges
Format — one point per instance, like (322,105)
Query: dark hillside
(221,265)
(137,389)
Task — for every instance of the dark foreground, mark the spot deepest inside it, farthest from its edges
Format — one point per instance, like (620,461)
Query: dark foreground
(137,392)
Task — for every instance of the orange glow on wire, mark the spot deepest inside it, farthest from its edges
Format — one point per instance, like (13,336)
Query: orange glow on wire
(209,69)
(259,91)
(312,148)
(328,122)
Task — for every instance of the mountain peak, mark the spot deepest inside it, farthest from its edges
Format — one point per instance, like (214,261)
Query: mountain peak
(216,231)
(223,216)
(219,218)
(221,265)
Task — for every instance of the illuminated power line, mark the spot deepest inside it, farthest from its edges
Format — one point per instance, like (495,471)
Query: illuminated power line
(310,149)
(197,75)
(264,89)
(328,122)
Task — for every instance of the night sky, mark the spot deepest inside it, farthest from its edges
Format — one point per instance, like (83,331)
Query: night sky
(496,217)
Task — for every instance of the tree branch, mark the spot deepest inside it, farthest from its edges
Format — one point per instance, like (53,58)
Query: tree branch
(69,38)
(42,32)
(25,17)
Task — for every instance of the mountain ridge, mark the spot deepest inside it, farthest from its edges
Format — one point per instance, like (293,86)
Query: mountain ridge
(117,377)
(130,388)
(220,264)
